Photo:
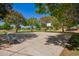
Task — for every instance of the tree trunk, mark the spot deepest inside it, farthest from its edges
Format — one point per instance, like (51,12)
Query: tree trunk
(62,26)
(17,27)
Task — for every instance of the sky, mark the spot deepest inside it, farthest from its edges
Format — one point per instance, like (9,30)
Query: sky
(27,10)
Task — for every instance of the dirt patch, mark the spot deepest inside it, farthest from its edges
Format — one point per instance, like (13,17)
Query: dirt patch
(67,52)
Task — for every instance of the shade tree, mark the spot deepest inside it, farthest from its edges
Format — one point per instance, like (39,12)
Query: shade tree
(62,11)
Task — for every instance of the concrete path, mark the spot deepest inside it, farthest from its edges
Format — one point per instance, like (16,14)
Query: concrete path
(45,44)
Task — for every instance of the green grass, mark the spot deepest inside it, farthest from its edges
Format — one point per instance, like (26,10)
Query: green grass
(2,33)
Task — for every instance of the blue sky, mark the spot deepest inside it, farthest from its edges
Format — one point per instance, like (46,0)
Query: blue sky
(27,10)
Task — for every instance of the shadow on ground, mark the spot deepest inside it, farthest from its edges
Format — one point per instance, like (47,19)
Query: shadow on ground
(60,40)
(24,36)
(16,38)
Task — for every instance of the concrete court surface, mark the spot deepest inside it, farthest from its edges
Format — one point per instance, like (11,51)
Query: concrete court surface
(45,44)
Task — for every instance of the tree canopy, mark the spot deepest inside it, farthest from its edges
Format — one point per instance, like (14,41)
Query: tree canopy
(14,18)
(62,11)
(4,9)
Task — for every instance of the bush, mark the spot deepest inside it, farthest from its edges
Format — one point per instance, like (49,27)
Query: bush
(6,26)
(73,42)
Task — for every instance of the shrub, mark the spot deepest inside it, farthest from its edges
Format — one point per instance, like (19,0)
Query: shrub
(73,42)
